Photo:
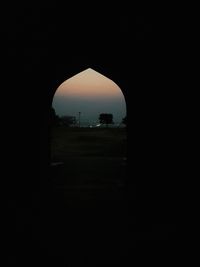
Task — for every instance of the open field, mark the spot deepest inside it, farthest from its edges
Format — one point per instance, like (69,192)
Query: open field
(93,163)
(87,201)
(89,213)
(103,142)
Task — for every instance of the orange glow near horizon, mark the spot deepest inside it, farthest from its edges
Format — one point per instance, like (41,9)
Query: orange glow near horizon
(89,84)
(90,93)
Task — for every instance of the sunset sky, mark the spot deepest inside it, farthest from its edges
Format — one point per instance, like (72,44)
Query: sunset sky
(90,93)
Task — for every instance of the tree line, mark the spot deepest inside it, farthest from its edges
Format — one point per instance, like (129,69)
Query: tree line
(104,119)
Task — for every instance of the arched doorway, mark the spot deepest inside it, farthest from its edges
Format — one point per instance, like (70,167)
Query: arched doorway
(88,137)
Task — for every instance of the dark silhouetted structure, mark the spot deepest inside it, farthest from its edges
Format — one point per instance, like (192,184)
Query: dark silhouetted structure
(54,118)
(68,121)
(106,118)
(124,120)
(42,46)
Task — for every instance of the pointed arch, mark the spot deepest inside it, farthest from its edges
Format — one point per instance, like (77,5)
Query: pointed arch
(91,91)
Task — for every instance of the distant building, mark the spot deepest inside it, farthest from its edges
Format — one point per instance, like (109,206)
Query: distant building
(68,121)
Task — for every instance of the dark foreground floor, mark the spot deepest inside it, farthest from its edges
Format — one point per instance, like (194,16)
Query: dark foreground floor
(89,220)
(88,212)
(92,211)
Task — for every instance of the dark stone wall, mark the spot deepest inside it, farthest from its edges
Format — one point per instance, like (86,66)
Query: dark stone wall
(42,47)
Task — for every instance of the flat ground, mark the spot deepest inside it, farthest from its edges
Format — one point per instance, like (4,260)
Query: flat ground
(88,221)
(88,200)
(91,157)
(93,173)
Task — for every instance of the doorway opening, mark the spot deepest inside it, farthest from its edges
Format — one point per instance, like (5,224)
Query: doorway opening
(89,137)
